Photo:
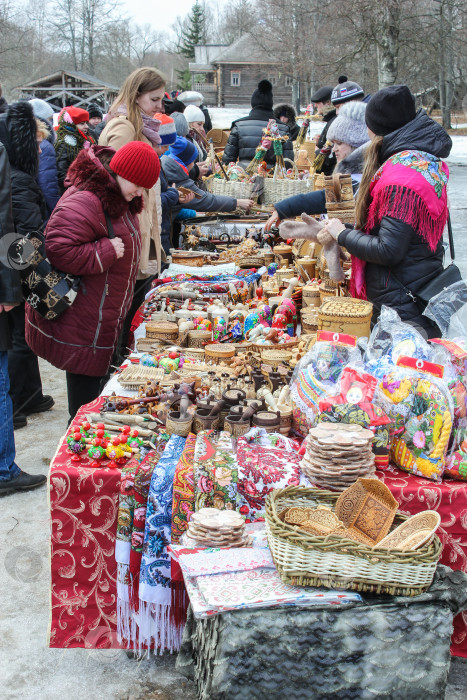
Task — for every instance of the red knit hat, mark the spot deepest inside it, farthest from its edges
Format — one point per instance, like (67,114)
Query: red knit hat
(77,114)
(138,163)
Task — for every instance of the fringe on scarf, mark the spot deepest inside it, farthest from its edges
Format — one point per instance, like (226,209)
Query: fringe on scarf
(156,628)
(407,206)
(179,597)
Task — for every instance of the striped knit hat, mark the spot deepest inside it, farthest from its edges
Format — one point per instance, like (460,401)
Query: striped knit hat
(167,130)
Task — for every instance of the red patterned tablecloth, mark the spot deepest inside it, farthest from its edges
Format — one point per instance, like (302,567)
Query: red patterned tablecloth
(83,512)
(450,500)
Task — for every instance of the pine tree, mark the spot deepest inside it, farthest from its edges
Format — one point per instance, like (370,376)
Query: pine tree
(195,32)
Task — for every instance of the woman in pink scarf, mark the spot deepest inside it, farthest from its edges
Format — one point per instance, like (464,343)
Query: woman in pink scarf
(402,207)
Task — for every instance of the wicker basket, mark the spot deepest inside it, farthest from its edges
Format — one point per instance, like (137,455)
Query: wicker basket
(308,265)
(198,339)
(310,295)
(162,330)
(284,251)
(175,426)
(218,352)
(346,315)
(275,357)
(196,353)
(253,261)
(347,216)
(283,275)
(336,562)
(276,189)
(187,257)
(309,319)
(325,293)
(283,348)
(238,189)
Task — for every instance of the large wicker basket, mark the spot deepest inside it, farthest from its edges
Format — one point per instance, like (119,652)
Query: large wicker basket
(239,189)
(276,188)
(345,315)
(336,562)
(162,330)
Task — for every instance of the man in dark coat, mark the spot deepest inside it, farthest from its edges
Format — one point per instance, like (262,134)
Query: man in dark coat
(322,101)
(11,476)
(3,102)
(18,135)
(246,133)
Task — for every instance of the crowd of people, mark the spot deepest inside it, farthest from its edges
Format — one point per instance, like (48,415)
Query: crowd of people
(107,190)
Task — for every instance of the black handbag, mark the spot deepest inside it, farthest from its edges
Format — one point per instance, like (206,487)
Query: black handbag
(450,275)
(47,290)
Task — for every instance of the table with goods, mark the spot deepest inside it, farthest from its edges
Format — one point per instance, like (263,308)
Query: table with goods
(265,486)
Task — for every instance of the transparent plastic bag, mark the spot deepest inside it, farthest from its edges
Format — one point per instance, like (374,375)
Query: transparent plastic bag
(390,339)
(421,409)
(448,310)
(317,376)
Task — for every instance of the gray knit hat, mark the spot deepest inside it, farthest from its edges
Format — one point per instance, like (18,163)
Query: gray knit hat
(41,109)
(181,124)
(349,126)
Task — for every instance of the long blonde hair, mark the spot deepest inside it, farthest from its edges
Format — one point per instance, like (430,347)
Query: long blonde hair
(140,81)
(372,163)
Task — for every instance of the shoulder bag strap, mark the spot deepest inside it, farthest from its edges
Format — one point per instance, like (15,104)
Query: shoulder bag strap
(451,238)
(110,228)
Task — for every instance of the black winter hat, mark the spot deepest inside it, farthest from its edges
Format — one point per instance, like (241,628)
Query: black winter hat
(345,91)
(389,109)
(323,94)
(94,111)
(262,96)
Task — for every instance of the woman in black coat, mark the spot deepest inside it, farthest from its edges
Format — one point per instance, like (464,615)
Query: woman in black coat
(285,114)
(246,133)
(401,207)
(18,133)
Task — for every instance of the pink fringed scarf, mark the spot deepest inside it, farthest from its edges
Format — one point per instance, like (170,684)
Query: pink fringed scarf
(409,186)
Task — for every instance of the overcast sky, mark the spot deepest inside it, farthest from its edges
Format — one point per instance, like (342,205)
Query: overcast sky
(161,14)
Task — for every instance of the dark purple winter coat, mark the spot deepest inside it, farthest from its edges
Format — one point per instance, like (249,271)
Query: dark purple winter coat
(82,340)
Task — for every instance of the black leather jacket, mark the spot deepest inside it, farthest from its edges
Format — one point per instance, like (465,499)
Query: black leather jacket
(246,135)
(394,250)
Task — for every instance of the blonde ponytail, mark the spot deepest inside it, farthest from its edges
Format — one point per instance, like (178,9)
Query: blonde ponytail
(372,163)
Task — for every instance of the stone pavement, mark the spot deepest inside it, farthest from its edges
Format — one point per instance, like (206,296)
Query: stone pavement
(29,670)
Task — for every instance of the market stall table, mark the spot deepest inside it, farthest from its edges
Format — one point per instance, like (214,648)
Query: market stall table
(449,499)
(83,514)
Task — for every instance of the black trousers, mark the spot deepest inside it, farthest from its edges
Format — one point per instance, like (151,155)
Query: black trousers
(81,390)
(23,365)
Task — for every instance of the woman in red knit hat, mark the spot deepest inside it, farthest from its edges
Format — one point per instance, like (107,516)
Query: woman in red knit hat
(72,134)
(131,118)
(79,241)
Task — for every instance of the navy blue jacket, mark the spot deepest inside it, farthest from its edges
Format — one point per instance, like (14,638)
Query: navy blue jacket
(169,199)
(310,203)
(47,176)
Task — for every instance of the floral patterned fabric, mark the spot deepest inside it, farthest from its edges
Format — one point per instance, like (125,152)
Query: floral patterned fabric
(154,616)
(449,498)
(183,502)
(215,471)
(263,468)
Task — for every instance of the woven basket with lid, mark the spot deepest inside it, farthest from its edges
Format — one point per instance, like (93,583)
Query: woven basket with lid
(198,338)
(309,319)
(346,315)
(162,330)
(310,295)
(218,352)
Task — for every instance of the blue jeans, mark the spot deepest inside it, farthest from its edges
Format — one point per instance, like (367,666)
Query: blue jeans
(8,467)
